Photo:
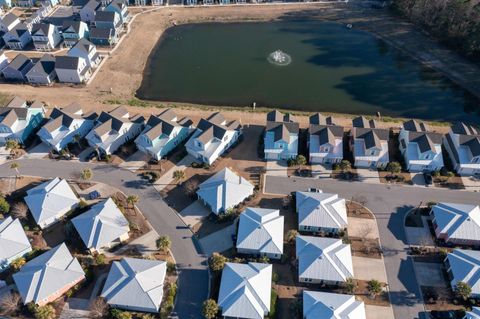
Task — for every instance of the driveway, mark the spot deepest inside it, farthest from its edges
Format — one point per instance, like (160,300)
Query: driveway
(369,176)
(220,240)
(430,274)
(369,268)
(194,213)
(321,171)
(389,203)
(471,183)
(379,312)
(4,153)
(277,168)
(37,152)
(167,178)
(192,264)
(420,236)
(136,161)
(418,179)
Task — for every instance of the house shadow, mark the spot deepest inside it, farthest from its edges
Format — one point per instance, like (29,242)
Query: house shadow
(396,222)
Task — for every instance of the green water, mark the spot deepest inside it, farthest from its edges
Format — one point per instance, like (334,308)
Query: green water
(333,69)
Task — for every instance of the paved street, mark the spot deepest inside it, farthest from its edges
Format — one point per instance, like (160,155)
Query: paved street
(389,203)
(193,278)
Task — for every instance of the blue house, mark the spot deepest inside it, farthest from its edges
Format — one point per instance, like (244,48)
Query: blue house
(163,133)
(281,136)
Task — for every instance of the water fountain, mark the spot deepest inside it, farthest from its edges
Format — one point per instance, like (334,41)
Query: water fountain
(279,57)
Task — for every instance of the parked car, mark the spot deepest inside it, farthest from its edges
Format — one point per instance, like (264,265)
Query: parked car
(91,156)
(443,314)
(93,195)
(428,179)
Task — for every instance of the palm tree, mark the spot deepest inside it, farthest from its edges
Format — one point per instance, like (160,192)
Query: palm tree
(163,243)
(178,175)
(16,166)
(132,200)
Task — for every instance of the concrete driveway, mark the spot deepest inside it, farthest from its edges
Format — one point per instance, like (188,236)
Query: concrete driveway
(277,168)
(369,268)
(37,152)
(430,274)
(418,179)
(420,236)
(220,240)
(4,153)
(321,171)
(378,312)
(369,176)
(136,161)
(194,213)
(471,183)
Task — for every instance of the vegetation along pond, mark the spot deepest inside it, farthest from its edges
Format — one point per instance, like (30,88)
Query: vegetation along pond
(298,65)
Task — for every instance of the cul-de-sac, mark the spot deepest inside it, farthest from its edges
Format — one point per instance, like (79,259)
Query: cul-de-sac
(240,159)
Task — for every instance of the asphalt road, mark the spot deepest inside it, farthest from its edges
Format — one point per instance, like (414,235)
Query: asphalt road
(192,264)
(389,204)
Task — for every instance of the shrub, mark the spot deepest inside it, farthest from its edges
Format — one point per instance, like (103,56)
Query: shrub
(163,243)
(100,259)
(463,290)
(86,174)
(171,267)
(217,262)
(18,263)
(292,235)
(45,312)
(178,175)
(374,287)
(119,314)
(210,309)
(4,205)
(273,304)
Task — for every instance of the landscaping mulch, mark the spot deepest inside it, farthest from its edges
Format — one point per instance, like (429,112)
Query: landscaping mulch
(357,210)
(362,247)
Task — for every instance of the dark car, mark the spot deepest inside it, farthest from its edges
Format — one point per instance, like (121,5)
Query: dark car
(428,178)
(93,195)
(443,315)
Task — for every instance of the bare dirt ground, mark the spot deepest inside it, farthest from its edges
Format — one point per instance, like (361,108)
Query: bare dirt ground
(121,75)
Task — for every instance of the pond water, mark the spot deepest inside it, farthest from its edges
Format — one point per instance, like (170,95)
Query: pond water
(321,66)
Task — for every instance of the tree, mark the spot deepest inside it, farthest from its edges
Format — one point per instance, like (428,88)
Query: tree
(394,168)
(11,145)
(191,186)
(217,262)
(10,304)
(45,312)
(178,175)
(19,210)
(4,205)
(98,308)
(463,290)
(449,175)
(345,166)
(301,160)
(100,259)
(210,309)
(18,263)
(292,235)
(15,166)
(86,174)
(163,243)
(374,288)
(350,286)
(132,200)
(119,314)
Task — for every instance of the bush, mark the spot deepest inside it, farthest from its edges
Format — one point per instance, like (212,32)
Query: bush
(273,304)
(275,277)
(163,243)
(171,267)
(4,205)
(119,314)
(210,309)
(100,259)
(217,262)
(44,312)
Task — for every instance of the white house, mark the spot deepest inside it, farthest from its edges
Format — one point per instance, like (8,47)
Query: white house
(50,201)
(327,305)
(260,232)
(135,284)
(457,223)
(281,136)
(224,190)
(473,314)
(325,140)
(102,226)
(73,31)
(369,144)
(13,242)
(45,36)
(3,61)
(321,212)
(86,50)
(114,129)
(163,133)
(65,125)
(323,260)
(464,265)
(213,137)
(463,145)
(18,37)
(72,69)
(48,276)
(421,149)
(245,290)
(43,71)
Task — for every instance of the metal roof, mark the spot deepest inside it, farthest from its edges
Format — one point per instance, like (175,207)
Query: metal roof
(326,305)
(465,267)
(321,210)
(458,221)
(13,240)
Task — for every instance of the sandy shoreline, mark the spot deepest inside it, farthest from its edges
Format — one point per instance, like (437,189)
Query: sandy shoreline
(122,73)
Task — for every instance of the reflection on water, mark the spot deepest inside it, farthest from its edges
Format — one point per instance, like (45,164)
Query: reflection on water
(333,69)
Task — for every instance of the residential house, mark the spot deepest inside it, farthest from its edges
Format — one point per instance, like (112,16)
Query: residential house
(421,149)
(48,276)
(321,212)
(328,305)
(46,36)
(45,9)
(50,201)
(32,19)
(191,2)
(245,290)
(114,129)
(72,69)
(89,11)
(14,242)
(65,125)
(213,137)
(281,136)
(105,37)
(108,20)
(158,2)
(86,50)
(135,284)
(260,232)
(457,223)
(120,7)
(473,314)
(463,145)
(464,265)
(18,38)
(24,3)
(18,120)
(325,140)
(8,22)
(163,133)
(5,4)
(102,226)
(224,190)
(72,31)
(43,71)
(18,68)
(369,144)
(3,61)
(319,256)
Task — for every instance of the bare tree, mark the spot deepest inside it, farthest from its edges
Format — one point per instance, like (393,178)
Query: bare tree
(365,232)
(19,210)
(191,186)
(98,308)
(10,304)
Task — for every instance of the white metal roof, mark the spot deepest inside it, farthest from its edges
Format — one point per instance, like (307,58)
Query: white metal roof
(48,273)
(13,240)
(101,225)
(465,266)
(323,258)
(245,290)
(136,283)
(326,305)
(474,314)
(49,198)
(459,221)
(321,210)
(261,229)
(224,190)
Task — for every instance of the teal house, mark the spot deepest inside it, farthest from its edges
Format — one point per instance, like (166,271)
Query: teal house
(19,119)
(163,133)
(281,136)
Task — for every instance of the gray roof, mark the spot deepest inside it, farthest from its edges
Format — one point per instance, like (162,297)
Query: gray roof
(99,33)
(19,62)
(282,130)
(41,28)
(93,4)
(164,123)
(48,273)
(17,102)
(363,122)
(322,210)
(71,24)
(9,18)
(469,137)
(465,267)
(414,126)
(13,241)
(114,120)
(320,119)
(83,45)
(45,66)
(105,16)
(458,221)
(19,30)
(464,129)
(215,126)
(67,62)
(276,116)
(135,284)
(326,133)
(371,137)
